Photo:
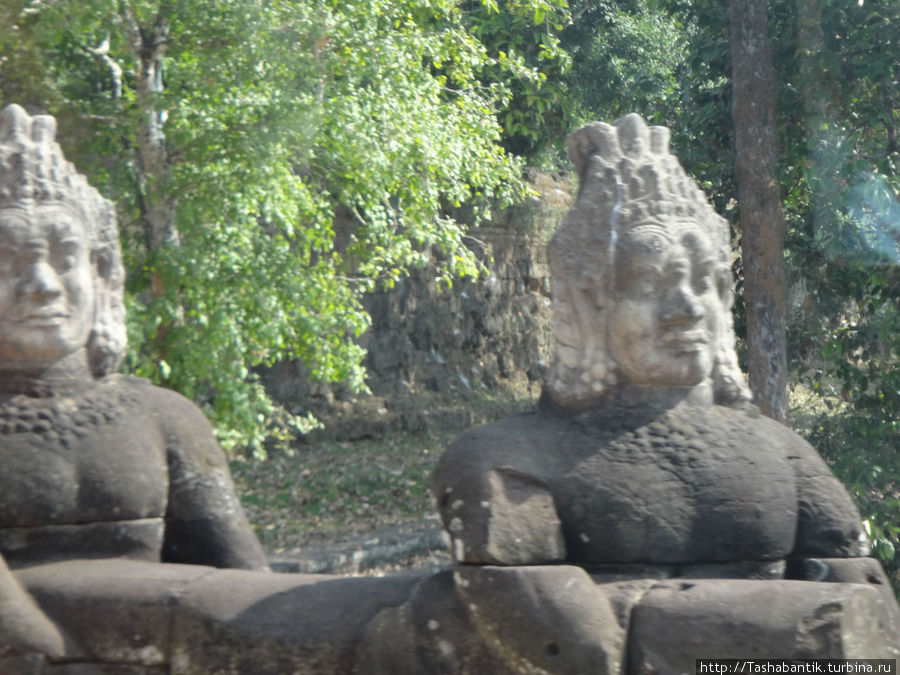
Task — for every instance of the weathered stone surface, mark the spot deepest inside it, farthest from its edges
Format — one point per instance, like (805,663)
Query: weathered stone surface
(677,622)
(113,611)
(429,634)
(232,622)
(517,521)
(125,616)
(130,618)
(742,569)
(474,620)
(860,571)
(128,470)
(543,619)
(103,669)
(24,629)
(684,485)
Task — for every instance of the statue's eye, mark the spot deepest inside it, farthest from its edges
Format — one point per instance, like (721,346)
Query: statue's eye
(645,281)
(701,282)
(65,257)
(703,277)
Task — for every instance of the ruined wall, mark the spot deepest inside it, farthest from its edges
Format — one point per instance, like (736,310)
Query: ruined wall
(431,350)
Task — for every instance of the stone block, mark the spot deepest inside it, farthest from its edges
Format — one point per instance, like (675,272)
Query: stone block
(867,571)
(551,619)
(677,622)
(278,624)
(113,611)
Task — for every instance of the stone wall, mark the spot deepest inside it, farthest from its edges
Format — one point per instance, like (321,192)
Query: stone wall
(448,346)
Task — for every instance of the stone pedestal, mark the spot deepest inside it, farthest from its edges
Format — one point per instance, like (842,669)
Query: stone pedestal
(133,618)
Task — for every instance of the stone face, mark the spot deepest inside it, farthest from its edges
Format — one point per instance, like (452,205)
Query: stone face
(644,455)
(644,449)
(95,464)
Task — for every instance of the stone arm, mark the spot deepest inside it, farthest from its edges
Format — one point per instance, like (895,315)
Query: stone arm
(828,522)
(830,545)
(24,628)
(205,523)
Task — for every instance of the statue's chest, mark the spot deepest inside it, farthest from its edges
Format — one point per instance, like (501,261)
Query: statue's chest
(79,461)
(710,491)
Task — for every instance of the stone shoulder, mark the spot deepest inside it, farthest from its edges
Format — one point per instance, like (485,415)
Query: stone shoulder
(188,433)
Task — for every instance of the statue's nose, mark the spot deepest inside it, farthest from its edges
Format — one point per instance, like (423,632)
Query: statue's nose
(42,282)
(682,305)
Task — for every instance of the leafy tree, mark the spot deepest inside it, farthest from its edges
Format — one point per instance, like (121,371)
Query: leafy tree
(230,133)
(628,57)
(838,67)
(529,64)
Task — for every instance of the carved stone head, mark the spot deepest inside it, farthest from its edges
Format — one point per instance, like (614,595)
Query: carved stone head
(641,275)
(61,275)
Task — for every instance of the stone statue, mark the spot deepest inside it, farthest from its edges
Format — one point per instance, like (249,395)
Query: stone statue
(645,516)
(645,450)
(95,465)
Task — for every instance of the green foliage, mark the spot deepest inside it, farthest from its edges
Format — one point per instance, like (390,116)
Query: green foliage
(628,57)
(861,447)
(839,112)
(528,65)
(278,116)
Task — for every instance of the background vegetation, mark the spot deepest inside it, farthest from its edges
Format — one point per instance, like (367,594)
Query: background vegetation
(269,117)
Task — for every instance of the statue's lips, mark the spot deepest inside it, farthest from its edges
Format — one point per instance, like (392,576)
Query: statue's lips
(44,318)
(685,340)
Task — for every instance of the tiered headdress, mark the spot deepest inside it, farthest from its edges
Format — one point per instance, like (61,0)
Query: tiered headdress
(33,171)
(627,178)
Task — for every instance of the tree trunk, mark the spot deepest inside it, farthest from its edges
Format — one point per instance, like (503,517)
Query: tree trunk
(155,168)
(818,86)
(759,196)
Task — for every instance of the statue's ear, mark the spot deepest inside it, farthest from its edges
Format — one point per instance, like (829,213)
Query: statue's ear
(106,345)
(723,284)
(101,261)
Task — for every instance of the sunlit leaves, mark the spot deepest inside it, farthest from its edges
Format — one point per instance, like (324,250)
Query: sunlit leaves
(280,116)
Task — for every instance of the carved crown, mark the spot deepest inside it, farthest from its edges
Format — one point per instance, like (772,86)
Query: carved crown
(650,185)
